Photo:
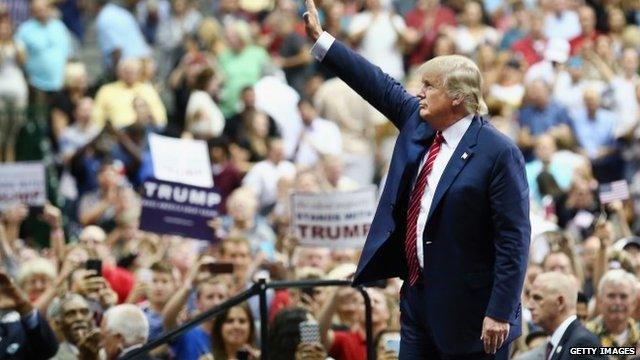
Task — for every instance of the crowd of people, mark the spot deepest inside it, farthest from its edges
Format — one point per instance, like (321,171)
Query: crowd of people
(560,79)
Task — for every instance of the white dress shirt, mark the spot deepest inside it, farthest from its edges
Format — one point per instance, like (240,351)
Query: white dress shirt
(452,136)
(322,45)
(557,335)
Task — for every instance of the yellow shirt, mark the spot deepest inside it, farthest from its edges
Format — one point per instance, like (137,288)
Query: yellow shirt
(114,101)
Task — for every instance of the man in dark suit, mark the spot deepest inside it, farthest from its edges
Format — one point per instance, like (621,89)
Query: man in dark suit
(553,299)
(24,333)
(453,219)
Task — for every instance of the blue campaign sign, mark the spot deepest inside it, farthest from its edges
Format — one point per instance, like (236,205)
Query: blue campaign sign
(178,209)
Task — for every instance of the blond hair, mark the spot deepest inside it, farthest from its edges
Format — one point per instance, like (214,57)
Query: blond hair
(74,72)
(461,79)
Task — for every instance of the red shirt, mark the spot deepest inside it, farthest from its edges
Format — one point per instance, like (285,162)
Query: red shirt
(281,300)
(577,42)
(121,281)
(348,345)
(526,47)
(415,19)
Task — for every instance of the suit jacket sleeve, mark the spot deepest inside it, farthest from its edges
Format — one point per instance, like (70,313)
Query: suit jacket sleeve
(509,201)
(370,82)
(41,341)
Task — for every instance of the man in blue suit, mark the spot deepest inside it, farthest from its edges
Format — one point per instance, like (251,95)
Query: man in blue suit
(453,219)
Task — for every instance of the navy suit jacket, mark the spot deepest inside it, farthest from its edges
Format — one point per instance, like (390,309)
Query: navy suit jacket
(577,335)
(18,341)
(477,235)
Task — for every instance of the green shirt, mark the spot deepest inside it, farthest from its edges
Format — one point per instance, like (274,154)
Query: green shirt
(240,70)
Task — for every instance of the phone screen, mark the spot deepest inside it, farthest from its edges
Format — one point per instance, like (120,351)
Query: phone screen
(96,265)
(220,268)
(309,332)
(391,341)
(242,355)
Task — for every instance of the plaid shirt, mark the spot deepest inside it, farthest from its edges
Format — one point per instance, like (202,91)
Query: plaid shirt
(597,327)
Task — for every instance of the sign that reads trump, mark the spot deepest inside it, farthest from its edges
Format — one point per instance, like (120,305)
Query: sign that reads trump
(335,220)
(22,182)
(178,209)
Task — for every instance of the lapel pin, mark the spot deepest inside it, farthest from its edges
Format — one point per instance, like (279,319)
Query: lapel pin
(465,156)
(558,349)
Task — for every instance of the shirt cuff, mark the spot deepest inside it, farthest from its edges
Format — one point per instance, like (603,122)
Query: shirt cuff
(31,320)
(322,45)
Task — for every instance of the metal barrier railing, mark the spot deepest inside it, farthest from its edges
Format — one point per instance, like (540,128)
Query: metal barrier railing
(260,288)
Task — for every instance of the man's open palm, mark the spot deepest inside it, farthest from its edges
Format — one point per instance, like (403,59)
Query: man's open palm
(312,21)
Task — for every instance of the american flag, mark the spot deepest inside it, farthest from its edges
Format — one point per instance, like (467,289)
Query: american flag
(613,191)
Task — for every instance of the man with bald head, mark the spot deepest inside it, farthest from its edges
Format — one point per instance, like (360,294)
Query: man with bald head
(552,302)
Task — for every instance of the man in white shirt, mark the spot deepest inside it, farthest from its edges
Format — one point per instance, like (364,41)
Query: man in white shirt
(318,137)
(263,176)
(552,302)
(377,33)
(562,22)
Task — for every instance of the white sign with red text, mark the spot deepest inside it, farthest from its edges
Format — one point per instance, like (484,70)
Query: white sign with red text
(335,220)
(22,182)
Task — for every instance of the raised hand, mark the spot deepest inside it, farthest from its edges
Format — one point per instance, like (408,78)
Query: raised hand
(312,21)
(13,298)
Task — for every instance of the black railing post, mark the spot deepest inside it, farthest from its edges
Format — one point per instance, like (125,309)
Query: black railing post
(368,322)
(264,318)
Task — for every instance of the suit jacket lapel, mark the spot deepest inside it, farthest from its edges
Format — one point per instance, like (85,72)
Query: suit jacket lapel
(457,162)
(558,350)
(421,139)
(423,134)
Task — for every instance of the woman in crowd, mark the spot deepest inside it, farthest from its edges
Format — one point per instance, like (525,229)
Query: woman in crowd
(204,120)
(234,333)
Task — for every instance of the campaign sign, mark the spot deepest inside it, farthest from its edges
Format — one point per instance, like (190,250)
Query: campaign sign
(22,182)
(335,220)
(178,209)
(180,160)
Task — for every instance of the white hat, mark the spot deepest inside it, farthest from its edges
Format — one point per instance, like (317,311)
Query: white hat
(557,50)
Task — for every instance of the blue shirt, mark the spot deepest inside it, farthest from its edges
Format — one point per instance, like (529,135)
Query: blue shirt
(540,121)
(193,344)
(594,134)
(156,323)
(562,167)
(117,29)
(48,47)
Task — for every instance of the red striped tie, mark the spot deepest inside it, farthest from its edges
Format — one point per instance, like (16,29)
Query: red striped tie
(414,210)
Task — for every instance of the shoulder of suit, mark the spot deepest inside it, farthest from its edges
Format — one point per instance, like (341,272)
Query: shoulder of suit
(583,336)
(494,141)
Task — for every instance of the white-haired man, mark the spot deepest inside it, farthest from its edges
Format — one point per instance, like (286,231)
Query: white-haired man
(453,219)
(124,329)
(616,301)
(552,302)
